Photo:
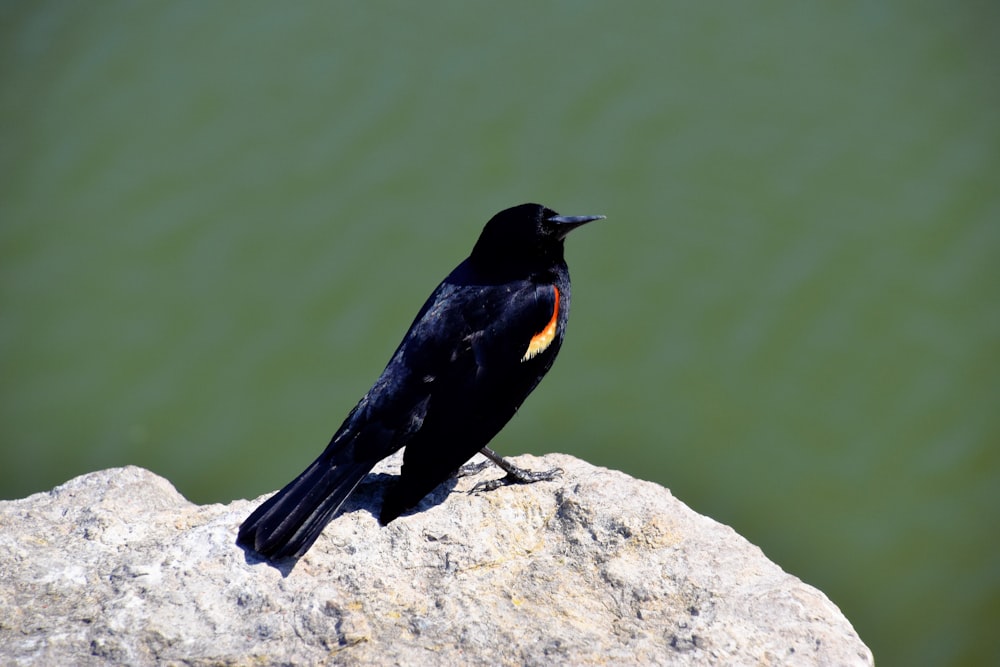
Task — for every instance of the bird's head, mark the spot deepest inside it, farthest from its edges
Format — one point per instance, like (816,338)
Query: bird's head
(525,235)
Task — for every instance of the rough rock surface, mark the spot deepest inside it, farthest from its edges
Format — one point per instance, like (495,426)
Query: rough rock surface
(595,568)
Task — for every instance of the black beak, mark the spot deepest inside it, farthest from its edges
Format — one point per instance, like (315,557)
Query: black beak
(567,223)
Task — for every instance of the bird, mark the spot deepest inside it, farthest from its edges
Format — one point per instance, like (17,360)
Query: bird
(480,344)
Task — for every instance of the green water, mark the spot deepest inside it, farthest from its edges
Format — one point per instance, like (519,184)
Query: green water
(217,220)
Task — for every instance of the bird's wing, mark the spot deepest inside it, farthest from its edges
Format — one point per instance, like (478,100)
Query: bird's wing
(480,379)
(464,341)
(472,329)
(513,328)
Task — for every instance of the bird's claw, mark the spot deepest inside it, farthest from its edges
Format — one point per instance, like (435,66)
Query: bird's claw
(518,476)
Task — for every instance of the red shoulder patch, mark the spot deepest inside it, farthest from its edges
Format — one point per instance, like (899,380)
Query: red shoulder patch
(544,338)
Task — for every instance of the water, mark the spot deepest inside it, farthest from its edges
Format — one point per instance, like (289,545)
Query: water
(217,222)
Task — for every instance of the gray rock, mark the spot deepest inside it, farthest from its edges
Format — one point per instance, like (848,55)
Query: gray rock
(596,568)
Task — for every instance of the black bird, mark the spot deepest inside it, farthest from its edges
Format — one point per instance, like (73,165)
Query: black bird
(482,341)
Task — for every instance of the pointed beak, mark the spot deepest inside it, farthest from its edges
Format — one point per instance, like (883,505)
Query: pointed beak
(567,223)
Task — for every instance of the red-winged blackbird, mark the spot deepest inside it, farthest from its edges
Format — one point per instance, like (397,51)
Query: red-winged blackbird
(484,339)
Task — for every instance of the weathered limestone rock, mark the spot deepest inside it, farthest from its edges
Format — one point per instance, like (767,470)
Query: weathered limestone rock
(595,568)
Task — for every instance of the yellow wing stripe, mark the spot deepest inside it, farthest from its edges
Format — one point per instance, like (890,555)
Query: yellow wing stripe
(544,338)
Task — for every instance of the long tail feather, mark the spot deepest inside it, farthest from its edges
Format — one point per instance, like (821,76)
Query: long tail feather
(288,523)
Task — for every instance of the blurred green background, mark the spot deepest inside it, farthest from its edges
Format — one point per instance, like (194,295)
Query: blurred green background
(218,219)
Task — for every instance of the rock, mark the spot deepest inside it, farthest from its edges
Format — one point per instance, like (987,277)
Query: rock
(595,568)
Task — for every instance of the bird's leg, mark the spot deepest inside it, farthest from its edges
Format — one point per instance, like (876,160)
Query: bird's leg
(515,475)
(470,469)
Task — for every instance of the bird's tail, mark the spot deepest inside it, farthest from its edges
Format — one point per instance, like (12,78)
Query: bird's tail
(288,523)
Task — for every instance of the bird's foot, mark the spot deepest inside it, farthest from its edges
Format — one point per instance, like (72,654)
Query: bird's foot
(518,476)
(514,474)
